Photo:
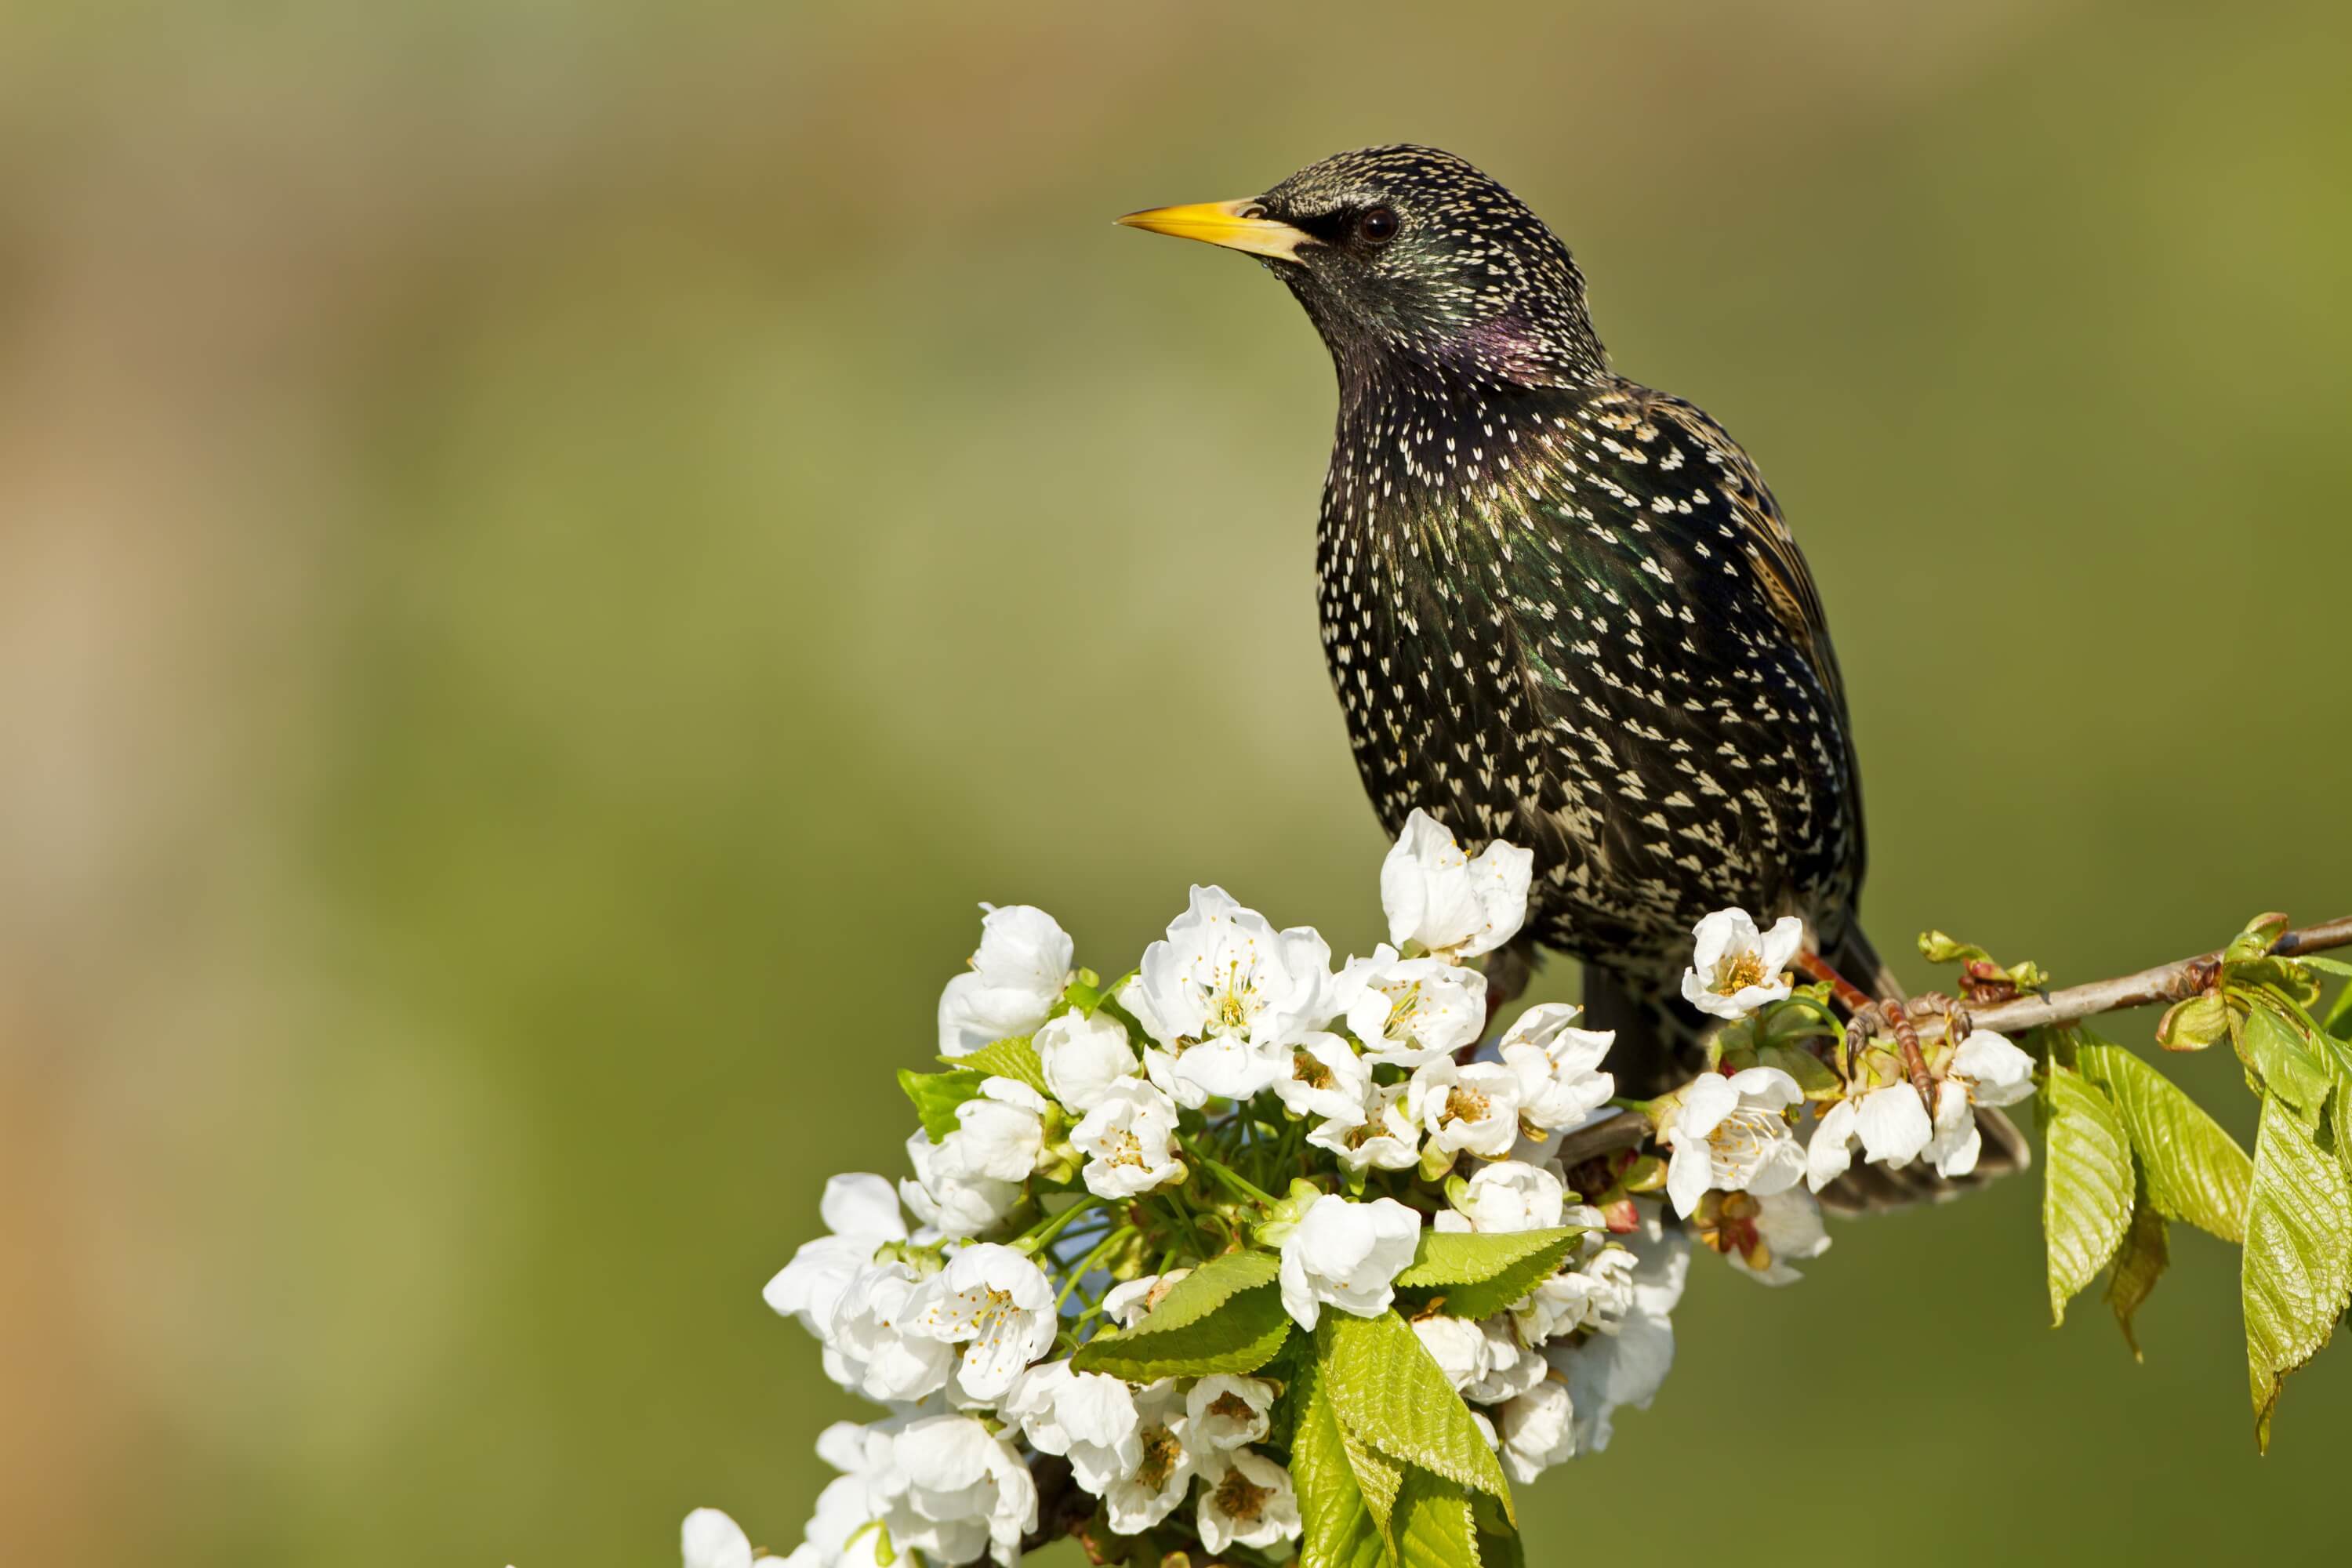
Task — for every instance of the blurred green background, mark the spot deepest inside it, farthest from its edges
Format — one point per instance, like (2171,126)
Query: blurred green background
(550,554)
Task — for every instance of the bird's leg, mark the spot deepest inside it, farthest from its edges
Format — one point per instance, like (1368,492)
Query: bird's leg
(1866,1017)
(1849,996)
(1915,1061)
(1958,1025)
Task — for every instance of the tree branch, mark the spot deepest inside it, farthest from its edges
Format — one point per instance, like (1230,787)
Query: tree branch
(2168,983)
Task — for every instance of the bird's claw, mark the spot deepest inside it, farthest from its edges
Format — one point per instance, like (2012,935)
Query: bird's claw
(1958,1025)
(1899,1019)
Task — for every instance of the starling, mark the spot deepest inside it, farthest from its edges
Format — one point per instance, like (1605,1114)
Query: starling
(1559,607)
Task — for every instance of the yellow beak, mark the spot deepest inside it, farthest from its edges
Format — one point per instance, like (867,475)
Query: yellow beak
(1236,225)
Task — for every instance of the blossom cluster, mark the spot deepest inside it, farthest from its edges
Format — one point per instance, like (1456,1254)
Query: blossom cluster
(1329,1137)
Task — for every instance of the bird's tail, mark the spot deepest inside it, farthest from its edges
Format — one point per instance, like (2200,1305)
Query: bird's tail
(1662,1042)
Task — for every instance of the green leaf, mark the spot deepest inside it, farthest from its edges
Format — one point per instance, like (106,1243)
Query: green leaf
(2193,1025)
(1480,1275)
(1015,1058)
(1379,1478)
(2195,1171)
(1937,948)
(1340,1529)
(2254,943)
(1812,1074)
(936,1096)
(1392,1394)
(1432,1525)
(1205,1288)
(1225,1316)
(2291,1071)
(2086,1194)
(1499,1545)
(2338,1021)
(2297,1271)
(2139,1264)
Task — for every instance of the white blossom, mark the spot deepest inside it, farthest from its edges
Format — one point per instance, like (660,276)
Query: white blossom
(1485,1425)
(1408,1011)
(1735,969)
(1246,1499)
(1890,1123)
(1346,1254)
(1560,1083)
(1015,978)
(951,1206)
(711,1540)
(999,1134)
(1512,1365)
(1384,1138)
(1082,1057)
(1473,1108)
(1149,1490)
(872,1344)
(1764,1235)
(1225,977)
(1458,1346)
(1127,1305)
(1596,1293)
(1438,896)
(1089,1416)
(997,1304)
(1986,1071)
(853,1513)
(1508,1194)
(1626,1363)
(1226,1412)
(1322,1076)
(963,1480)
(1537,1429)
(862,1212)
(1728,1134)
(1130,1140)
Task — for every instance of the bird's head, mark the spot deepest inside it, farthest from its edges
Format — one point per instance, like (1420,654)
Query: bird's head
(1405,252)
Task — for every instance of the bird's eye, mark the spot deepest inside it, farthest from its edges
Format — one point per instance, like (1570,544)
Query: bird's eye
(1379,224)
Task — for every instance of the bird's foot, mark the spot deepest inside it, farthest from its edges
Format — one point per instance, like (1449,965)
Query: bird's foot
(1958,1025)
(1849,997)
(1900,1019)
(1867,1020)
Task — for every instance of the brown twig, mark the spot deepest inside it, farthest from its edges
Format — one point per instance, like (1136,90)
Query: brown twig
(2166,983)
(2174,982)
(1625,1129)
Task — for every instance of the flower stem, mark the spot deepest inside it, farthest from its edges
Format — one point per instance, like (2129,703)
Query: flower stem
(1243,1188)
(1086,1263)
(1033,1239)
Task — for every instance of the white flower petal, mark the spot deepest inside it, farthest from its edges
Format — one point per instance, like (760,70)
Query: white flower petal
(1344,1255)
(1082,1057)
(1830,1152)
(1893,1125)
(711,1540)
(1447,902)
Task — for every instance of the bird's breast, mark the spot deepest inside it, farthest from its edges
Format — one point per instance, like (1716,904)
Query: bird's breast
(1541,625)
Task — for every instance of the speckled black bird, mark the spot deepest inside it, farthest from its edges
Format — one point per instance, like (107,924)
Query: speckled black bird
(1559,607)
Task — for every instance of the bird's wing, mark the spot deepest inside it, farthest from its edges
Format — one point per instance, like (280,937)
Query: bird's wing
(1764,537)
(1674,662)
